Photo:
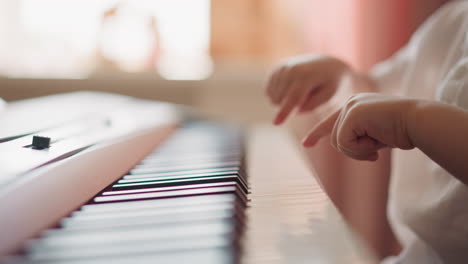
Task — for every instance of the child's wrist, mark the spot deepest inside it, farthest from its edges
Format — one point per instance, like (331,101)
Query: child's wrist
(414,117)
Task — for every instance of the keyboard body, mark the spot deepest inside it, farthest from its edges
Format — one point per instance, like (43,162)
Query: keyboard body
(181,191)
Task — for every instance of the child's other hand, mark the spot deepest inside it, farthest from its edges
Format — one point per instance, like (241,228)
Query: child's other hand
(304,83)
(366,123)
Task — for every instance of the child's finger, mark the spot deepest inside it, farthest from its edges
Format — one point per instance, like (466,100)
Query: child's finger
(282,84)
(270,88)
(358,147)
(289,102)
(316,95)
(287,107)
(322,129)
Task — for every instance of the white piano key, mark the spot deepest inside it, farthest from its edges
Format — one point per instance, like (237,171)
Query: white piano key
(114,250)
(184,156)
(173,173)
(195,175)
(207,256)
(169,219)
(160,211)
(155,204)
(154,169)
(62,238)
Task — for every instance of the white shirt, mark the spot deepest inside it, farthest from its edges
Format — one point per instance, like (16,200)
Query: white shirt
(428,207)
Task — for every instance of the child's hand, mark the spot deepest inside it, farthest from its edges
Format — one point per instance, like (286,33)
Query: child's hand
(367,123)
(305,83)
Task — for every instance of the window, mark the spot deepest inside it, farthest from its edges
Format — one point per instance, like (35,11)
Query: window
(72,39)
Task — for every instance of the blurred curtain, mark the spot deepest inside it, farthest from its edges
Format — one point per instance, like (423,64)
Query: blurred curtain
(257,32)
(362,32)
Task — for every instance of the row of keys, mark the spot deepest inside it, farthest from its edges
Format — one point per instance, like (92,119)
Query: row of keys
(183,203)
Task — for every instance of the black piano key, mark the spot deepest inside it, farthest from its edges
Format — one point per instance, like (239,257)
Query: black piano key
(168,194)
(170,188)
(239,170)
(180,181)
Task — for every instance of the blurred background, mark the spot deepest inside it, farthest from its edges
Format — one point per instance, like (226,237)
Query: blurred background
(213,55)
(210,54)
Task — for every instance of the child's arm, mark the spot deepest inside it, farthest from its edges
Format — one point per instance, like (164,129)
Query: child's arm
(441,132)
(359,189)
(369,122)
(321,85)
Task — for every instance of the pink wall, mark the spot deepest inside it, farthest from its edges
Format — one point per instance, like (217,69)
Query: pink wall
(362,32)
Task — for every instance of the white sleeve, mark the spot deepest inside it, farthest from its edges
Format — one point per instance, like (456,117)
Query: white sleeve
(389,74)
(428,47)
(2,105)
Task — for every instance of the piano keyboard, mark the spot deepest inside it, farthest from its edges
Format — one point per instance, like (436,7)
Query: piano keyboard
(183,203)
(187,202)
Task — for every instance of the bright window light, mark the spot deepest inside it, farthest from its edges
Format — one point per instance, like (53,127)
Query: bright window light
(71,39)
